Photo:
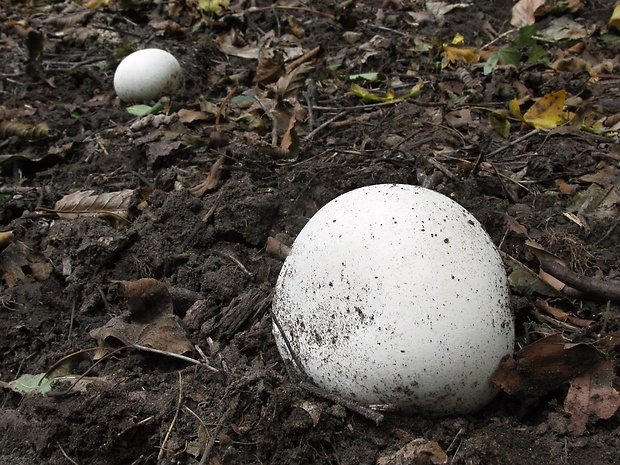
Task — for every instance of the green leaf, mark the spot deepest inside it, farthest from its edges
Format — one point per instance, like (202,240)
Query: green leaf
(28,383)
(509,55)
(500,124)
(525,34)
(371,77)
(491,63)
(536,54)
(143,110)
(609,38)
(140,110)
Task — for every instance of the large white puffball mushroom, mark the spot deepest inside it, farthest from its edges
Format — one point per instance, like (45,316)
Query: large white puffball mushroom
(395,295)
(146,75)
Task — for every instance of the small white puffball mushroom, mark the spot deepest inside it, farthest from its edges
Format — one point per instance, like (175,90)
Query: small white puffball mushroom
(146,75)
(395,295)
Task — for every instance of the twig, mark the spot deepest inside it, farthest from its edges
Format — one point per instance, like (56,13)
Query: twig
(172,354)
(236,261)
(162,449)
(388,29)
(441,168)
(65,454)
(368,106)
(17,189)
(283,7)
(350,404)
(606,290)
(514,142)
(608,233)
(71,320)
(189,410)
(220,110)
(220,424)
(274,121)
(497,38)
(324,125)
(309,55)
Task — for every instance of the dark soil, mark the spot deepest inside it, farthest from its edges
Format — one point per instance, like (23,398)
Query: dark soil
(253,410)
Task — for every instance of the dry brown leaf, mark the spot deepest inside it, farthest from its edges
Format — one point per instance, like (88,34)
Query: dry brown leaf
(169,27)
(234,45)
(561,315)
(150,321)
(524,12)
(6,237)
(416,452)
(291,84)
(526,282)
(189,116)
(591,397)
(270,66)
(86,203)
(515,226)
(17,261)
(212,180)
(24,130)
(544,366)
(290,141)
(70,17)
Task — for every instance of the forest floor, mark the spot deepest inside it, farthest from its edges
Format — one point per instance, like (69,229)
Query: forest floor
(186,210)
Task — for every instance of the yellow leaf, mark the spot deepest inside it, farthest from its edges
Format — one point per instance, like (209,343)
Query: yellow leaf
(513,106)
(614,21)
(547,112)
(390,96)
(455,55)
(213,6)
(458,39)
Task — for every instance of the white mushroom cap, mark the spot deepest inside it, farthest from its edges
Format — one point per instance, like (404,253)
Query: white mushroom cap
(395,294)
(146,75)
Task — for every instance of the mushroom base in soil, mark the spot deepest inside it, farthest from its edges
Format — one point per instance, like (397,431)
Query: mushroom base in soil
(395,295)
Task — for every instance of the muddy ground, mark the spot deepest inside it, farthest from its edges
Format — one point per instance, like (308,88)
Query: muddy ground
(61,276)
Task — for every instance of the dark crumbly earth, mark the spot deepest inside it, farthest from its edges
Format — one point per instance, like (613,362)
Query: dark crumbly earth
(210,248)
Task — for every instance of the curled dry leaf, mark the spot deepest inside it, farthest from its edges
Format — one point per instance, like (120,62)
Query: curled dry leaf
(23,130)
(291,84)
(545,365)
(17,259)
(70,17)
(86,203)
(561,315)
(416,452)
(212,180)
(270,66)
(150,321)
(524,12)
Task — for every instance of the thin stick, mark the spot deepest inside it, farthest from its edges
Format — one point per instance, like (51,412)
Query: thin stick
(325,124)
(172,354)
(220,424)
(350,404)
(65,454)
(606,290)
(160,456)
(514,142)
(220,110)
(284,7)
